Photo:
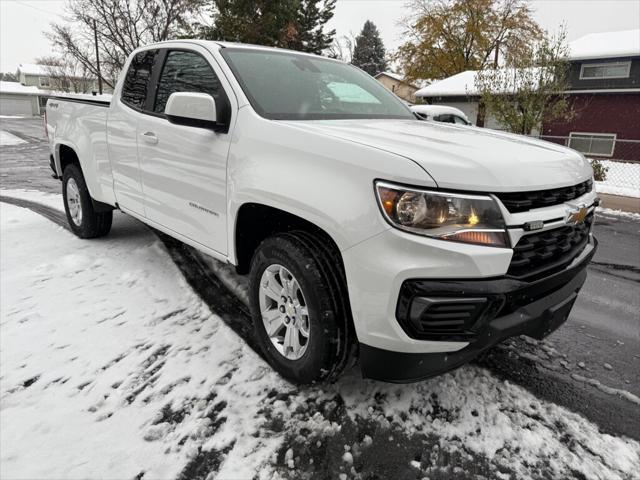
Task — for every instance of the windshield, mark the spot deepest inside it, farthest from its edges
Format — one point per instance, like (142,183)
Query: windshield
(288,86)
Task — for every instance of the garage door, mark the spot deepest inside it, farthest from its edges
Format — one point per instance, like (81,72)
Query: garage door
(15,106)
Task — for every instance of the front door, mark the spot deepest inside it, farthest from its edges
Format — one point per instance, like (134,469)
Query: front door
(184,168)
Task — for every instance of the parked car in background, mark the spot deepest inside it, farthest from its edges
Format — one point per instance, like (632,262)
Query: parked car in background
(441,113)
(363,230)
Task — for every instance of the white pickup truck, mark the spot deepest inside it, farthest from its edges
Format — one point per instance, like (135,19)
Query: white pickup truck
(364,230)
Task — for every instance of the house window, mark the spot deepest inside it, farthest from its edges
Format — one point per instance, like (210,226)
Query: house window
(44,82)
(598,144)
(599,71)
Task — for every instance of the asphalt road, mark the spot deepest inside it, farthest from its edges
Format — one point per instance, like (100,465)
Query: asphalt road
(589,365)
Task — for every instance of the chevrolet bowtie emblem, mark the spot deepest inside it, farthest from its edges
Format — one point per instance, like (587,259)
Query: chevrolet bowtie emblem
(577,216)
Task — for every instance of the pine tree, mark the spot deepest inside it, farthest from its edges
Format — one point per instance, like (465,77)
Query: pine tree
(312,17)
(294,24)
(260,22)
(369,53)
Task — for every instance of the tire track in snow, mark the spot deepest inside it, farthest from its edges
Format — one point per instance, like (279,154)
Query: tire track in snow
(612,414)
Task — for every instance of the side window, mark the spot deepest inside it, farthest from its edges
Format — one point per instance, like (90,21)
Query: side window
(136,83)
(187,72)
(445,118)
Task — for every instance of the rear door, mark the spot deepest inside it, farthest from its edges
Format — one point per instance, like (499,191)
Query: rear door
(184,168)
(122,125)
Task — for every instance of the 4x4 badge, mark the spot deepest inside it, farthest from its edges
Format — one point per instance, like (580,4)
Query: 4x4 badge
(577,216)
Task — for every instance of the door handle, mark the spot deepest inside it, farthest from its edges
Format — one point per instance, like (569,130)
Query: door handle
(150,138)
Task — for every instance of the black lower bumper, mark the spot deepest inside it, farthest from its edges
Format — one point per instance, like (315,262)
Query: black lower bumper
(534,309)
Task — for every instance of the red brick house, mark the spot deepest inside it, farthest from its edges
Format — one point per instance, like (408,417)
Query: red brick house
(605,96)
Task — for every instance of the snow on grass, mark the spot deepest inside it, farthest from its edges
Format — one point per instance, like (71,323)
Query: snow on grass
(111,366)
(607,188)
(7,139)
(618,213)
(623,178)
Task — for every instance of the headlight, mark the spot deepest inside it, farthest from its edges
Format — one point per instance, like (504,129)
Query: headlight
(448,216)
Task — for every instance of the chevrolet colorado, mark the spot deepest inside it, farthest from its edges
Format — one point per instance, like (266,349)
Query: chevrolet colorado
(365,231)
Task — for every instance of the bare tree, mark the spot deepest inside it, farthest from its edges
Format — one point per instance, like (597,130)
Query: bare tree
(67,74)
(8,77)
(342,48)
(530,89)
(122,26)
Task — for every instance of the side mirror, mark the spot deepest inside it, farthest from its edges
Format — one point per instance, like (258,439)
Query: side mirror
(192,109)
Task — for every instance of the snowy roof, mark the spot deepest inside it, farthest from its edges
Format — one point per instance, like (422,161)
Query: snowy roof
(33,69)
(17,87)
(624,43)
(462,83)
(396,77)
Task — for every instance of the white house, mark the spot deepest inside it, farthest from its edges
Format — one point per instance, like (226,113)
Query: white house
(31,74)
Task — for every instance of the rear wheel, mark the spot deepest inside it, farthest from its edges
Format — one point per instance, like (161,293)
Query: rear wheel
(83,219)
(299,308)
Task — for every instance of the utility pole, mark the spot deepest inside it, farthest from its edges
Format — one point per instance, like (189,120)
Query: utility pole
(95,39)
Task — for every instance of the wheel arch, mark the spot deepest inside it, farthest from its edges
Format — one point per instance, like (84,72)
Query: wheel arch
(65,154)
(255,221)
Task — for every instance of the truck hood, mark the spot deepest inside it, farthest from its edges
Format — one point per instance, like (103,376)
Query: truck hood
(461,157)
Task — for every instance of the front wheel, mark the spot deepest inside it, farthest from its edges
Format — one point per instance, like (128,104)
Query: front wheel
(299,307)
(84,221)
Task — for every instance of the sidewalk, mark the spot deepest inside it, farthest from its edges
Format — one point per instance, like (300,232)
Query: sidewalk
(616,202)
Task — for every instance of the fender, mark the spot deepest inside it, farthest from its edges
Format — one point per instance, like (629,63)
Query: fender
(326,181)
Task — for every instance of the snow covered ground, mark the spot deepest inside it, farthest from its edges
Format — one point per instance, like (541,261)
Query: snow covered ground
(112,367)
(622,179)
(7,139)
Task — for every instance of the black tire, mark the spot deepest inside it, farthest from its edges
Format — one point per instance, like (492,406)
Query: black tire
(318,270)
(92,224)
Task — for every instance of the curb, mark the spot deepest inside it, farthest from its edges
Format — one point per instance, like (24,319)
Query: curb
(617,202)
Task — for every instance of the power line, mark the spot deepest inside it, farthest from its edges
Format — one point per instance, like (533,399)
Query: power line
(44,10)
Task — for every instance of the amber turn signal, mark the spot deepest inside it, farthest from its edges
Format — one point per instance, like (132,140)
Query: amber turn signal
(388,199)
(494,239)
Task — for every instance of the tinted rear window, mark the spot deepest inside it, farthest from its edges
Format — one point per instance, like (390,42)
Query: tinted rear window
(136,82)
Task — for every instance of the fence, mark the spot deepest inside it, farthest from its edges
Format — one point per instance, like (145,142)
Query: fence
(620,158)
(601,146)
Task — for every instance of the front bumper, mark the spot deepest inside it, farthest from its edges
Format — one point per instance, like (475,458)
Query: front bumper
(534,309)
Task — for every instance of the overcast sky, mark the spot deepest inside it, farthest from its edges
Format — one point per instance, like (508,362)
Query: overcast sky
(22,22)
